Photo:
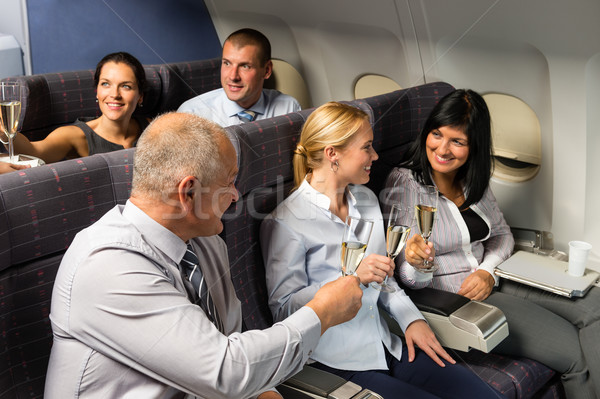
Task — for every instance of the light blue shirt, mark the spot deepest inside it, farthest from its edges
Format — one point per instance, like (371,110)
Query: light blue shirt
(215,106)
(301,245)
(124,327)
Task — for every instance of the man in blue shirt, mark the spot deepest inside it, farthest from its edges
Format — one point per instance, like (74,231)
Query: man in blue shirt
(246,64)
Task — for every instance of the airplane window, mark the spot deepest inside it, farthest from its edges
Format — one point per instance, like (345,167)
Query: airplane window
(516,134)
(288,80)
(373,85)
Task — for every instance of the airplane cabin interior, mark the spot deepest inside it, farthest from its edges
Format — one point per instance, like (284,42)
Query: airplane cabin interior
(536,64)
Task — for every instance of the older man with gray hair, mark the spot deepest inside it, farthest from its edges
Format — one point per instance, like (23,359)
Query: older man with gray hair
(143,305)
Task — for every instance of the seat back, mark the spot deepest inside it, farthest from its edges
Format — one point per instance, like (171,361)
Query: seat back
(398,117)
(41,210)
(190,79)
(265,149)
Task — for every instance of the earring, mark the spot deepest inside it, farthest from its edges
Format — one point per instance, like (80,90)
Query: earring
(96,100)
(141,105)
(337,166)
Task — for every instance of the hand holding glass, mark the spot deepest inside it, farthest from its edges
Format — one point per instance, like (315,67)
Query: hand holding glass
(357,232)
(395,238)
(10,112)
(425,212)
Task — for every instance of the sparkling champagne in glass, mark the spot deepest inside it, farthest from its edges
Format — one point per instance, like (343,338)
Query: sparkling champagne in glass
(10,112)
(357,232)
(396,235)
(425,212)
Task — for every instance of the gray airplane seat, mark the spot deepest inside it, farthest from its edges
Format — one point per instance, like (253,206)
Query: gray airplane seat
(41,210)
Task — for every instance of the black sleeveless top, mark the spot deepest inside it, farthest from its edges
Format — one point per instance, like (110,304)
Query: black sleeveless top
(97,144)
(478,229)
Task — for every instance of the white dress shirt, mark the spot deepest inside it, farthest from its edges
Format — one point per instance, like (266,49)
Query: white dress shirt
(124,327)
(301,244)
(215,106)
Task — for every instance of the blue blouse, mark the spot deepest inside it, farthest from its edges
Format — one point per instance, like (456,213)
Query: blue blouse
(301,244)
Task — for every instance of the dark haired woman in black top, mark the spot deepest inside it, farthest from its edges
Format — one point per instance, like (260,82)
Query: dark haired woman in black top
(120,82)
(470,238)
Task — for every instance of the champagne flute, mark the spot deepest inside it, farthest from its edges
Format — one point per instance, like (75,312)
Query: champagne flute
(10,112)
(396,235)
(425,211)
(357,232)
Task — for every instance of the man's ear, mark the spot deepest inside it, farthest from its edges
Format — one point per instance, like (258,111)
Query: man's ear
(268,69)
(187,192)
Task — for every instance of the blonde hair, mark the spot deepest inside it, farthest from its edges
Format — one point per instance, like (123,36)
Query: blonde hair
(333,124)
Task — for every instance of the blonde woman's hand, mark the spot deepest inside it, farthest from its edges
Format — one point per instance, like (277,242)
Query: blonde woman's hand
(374,268)
(418,333)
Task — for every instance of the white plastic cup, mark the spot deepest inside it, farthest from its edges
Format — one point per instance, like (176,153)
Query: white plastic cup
(578,253)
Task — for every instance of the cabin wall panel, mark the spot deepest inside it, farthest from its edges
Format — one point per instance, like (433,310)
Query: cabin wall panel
(591,222)
(569,119)
(565,34)
(13,21)
(519,70)
(68,35)
(344,60)
(331,43)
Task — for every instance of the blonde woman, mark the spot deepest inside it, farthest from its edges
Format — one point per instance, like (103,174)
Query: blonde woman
(301,242)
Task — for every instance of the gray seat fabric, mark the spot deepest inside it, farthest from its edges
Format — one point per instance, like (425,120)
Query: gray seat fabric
(41,210)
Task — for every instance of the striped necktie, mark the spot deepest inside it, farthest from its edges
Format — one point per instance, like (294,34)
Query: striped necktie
(191,269)
(246,115)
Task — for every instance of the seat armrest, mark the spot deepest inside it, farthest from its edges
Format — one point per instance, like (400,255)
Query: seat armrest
(436,301)
(458,322)
(311,382)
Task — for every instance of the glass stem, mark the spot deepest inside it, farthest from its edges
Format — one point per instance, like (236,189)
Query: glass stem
(386,277)
(425,261)
(11,151)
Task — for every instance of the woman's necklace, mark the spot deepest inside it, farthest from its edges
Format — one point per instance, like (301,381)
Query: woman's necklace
(455,194)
